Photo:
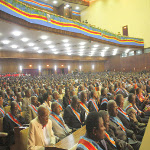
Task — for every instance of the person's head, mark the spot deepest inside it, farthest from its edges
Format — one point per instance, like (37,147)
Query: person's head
(19,98)
(75,102)
(43,115)
(111,88)
(95,126)
(60,90)
(105,117)
(132,90)
(1,100)
(112,108)
(103,92)
(28,93)
(14,108)
(67,92)
(138,91)
(36,90)
(72,93)
(55,95)
(34,100)
(120,100)
(131,98)
(55,108)
(148,82)
(94,94)
(83,97)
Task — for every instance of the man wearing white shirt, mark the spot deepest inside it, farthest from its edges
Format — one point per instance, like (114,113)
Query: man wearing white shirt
(40,130)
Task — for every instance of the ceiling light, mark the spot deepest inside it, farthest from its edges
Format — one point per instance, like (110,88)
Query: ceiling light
(67,44)
(44,37)
(69,53)
(48,42)
(55,52)
(106,47)
(16,33)
(24,39)
(82,43)
(95,45)
(21,50)
(51,46)
(102,54)
(55,2)
(67,5)
(82,46)
(39,51)
(65,40)
(36,48)
(5,42)
(54,49)
(30,44)
(14,46)
(127,50)
(77,7)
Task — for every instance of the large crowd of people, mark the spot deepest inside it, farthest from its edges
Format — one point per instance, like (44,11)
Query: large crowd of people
(114,106)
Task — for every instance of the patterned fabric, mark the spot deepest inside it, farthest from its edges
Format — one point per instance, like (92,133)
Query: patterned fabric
(94,104)
(111,140)
(34,108)
(2,111)
(123,113)
(84,107)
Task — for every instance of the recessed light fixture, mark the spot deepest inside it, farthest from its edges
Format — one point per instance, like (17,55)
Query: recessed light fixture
(67,44)
(127,50)
(40,51)
(69,53)
(67,5)
(55,52)
(106,47)
(102,54)
(24,39)
(30,44)
(5,41)
(54,49)
(44,37)
(65,40)
(36,48)
(51,46)
(48,42)
(55,2)
(82,43)
(77,7)
(82,46)
(95,45)
(21,50)
(16,33)
(14,46)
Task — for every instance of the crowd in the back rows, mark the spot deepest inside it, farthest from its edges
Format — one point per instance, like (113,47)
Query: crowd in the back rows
(121,98)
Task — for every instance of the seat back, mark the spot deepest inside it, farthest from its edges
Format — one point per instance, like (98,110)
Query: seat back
(7,109)
(24,138)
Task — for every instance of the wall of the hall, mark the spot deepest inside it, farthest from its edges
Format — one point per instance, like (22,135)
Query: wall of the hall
(12,65)
(131,63)
(112,15)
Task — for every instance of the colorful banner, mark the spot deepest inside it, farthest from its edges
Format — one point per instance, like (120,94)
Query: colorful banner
(35,16)
(75,13)
(39,4)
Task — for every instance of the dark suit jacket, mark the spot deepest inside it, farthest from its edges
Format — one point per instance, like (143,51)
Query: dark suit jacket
(65,102)
(8,126)
(71,120)
(91,106)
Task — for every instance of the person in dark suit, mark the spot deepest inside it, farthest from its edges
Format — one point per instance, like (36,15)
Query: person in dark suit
(72,114)
(121,132)
(2,112)
(11,120)
(103,99)
(66,98)
(95,134)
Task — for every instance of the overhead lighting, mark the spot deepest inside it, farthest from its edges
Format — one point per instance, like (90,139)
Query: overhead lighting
(80,67)
(127,50)
(67,6)
(55,52)
(24,39)
(69,53)
(14,46)
(30,44)
(77,7)
(82,43)
(82,46)
(5,41)
(95,45)
(67,44)
(36,48)
(55,2)
(51,46)
(69,67)
(48,42)
(102,54)
(44,37)
(21,50)
(20,68)
(16,33)
(115,51)
(93,66)
(40,52)
(106,47)
(65,40)
(39,68)
(55,67)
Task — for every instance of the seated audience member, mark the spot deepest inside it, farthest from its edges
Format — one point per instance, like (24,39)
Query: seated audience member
(40,130)
(56,99)
(92,103)
(19,102)
(83,103)
(31,111)
(81,88)
(138,128)
(112,142)
(95,134)
(11,120)
(148,87)
(66,98)
(60,129)
(47,101)
(119,129)
(121,113)
(26,100)
(72,116)
(103,99)
(60,93)
(111,92)
(2,112)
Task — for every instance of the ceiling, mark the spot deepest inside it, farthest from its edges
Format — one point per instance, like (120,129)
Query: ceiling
(60,2)
(34,41)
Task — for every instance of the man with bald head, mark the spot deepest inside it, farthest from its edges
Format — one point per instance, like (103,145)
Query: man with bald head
(121,132)
(11,120)
(61,130)
(72,114)
(40,130)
